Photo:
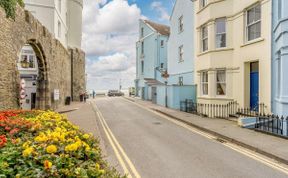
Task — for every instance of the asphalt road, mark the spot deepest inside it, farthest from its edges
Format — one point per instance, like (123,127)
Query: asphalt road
(159,148)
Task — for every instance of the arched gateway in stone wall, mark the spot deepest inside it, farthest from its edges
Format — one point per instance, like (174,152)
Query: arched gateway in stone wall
(54,62)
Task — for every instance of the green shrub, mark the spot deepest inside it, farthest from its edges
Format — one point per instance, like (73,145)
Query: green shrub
(10,7)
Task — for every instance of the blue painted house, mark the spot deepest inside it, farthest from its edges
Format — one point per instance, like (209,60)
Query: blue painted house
(151,59)
(280,57)
(181,55)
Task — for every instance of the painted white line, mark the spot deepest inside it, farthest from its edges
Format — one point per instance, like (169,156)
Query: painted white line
(267,161)
(118,146)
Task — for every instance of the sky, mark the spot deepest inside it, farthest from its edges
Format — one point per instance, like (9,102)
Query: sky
(110,32)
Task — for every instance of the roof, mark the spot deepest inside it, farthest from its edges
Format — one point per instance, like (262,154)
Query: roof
(162,29)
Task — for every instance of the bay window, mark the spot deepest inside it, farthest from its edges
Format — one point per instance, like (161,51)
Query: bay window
(220,32)
(221,82)
(204,38)
(204,83)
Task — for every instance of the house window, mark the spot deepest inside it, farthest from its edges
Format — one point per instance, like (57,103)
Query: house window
(162,43)
(181,81)
(253,23)
(181,53)
(142,32)
(204,39)
(221,33)
(59,29)
(162,65)
(180,24)
(142,47)
(204,83)
(221,82)
(27,59)
(203,3)
(142,67)
(59,5)
(279,9)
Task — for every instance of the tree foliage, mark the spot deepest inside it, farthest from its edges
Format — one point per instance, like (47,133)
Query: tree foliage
(10,7)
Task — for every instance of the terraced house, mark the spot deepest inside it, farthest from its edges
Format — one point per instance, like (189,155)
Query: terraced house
(151,61)
(233,52)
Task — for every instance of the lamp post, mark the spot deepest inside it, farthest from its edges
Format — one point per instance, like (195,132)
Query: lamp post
(165,75)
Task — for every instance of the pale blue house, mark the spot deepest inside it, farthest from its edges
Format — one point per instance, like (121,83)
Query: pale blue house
(280,57)
(180,56)
(151,59)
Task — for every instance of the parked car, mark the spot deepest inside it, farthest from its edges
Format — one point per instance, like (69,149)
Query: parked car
(115,93)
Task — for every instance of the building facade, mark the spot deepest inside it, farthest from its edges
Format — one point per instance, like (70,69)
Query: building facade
(280,57)
(63,18)
(151,59)
(181,54)
(233,52)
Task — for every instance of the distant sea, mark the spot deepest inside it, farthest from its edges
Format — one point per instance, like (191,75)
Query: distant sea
(125,91)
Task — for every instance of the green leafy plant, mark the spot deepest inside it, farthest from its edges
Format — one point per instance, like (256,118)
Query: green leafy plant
(10,7)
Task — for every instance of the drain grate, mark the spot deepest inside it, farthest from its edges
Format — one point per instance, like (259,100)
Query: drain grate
(220,140)
(157,123)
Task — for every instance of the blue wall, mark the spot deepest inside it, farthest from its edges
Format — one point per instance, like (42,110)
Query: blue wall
(154,55)
(280,57)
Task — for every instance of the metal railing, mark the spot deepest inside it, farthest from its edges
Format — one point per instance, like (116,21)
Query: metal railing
(231,109)
(272,124)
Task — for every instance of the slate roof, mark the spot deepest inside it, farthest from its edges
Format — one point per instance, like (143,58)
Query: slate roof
(162,29)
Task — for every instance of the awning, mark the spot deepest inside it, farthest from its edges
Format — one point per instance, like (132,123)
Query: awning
(150,81)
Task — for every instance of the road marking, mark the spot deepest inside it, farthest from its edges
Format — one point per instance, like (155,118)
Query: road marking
(116,146)
(260,158)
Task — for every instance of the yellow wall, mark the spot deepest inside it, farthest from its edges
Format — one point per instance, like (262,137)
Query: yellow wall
(238,54)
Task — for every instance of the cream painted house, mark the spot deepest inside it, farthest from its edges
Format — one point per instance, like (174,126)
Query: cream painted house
(233,52)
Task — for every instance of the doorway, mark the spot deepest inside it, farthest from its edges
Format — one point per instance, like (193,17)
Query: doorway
(254,86)
(154,95)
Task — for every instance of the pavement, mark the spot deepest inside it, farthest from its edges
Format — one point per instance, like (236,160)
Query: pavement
(271,146)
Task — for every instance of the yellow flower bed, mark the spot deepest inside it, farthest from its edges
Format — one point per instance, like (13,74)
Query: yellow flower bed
(49,145)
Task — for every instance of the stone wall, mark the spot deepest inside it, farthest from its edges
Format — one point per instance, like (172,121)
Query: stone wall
(77,73)
(53,59)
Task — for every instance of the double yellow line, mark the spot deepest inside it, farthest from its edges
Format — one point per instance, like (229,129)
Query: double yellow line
(260,158)
(124,161)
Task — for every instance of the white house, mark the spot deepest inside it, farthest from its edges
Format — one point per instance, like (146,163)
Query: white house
(63,18)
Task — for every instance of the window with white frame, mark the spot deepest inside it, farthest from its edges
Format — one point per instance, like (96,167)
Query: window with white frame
(181,53)
(203,3)
(221,82)
(204,83)
(253,25)
(27,58)
(142,32)
(220,25)
(180,24)
(142,47)
(204,38)
(142,67)
(162,43)
(180,81)
(59,29)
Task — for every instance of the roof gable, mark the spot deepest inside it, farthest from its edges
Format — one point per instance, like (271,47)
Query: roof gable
(162,29)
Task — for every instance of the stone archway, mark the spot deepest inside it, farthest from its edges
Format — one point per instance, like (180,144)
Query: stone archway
(38,96)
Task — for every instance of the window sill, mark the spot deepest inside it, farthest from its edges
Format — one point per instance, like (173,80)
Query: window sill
(215,50)
(215,98)
(181,61)
(252,42)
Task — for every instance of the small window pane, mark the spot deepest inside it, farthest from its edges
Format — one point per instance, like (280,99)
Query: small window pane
(220,26)
(257,12)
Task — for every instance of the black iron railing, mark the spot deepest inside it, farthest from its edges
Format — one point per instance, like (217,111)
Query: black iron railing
(272,124)
(253,112)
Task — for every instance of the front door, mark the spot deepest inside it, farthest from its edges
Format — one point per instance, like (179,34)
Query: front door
(154,95)
(254,86)
(143,93)
(33,100)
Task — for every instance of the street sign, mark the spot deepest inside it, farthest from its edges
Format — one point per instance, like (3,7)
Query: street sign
(22,94)
(56,94)
(22,84)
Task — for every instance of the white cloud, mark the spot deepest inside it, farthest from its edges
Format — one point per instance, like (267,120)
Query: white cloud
(158,6)
(110,30)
